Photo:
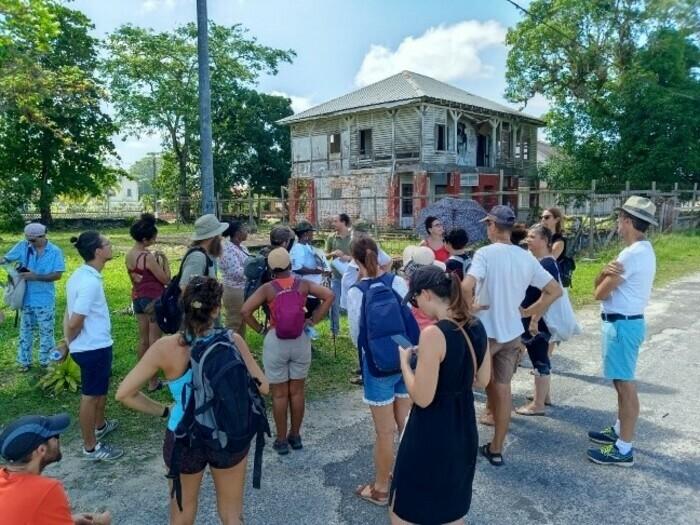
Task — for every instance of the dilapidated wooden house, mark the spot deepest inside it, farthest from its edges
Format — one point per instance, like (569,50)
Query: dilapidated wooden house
(383,152)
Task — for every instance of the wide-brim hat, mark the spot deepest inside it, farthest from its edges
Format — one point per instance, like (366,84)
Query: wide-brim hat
(207,227)
(24,435)
(417,256)
(640,207)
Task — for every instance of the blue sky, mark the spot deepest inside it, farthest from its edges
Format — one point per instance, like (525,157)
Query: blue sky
(343,45)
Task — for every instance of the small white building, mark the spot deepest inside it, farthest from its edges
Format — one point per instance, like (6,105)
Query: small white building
(126,192)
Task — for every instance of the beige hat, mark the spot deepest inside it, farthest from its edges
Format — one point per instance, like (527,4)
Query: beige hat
(208,226)
(278,259)
(421,256)
(640,207)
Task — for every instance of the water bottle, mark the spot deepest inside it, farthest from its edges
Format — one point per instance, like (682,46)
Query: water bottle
(56,354)
(311,332)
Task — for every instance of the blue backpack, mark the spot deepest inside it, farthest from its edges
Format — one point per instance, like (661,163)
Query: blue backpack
(382,316)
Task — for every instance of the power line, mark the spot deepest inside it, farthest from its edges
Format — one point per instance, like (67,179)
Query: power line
(574,41)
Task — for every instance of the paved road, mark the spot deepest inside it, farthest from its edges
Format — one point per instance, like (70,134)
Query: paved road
(546,480)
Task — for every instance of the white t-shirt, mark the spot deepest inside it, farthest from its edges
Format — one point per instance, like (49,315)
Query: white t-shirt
(632,295)
(354,305)
(352,272)
(85,295)
(503,272)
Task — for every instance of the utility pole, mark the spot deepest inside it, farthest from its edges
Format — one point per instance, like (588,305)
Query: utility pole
(205,140)
(153,185)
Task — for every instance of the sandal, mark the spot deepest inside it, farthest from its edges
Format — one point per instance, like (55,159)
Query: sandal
(376,497)
(495,458)
(546,403)
(527,411)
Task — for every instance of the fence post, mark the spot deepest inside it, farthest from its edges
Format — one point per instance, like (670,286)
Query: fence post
(251,204)
(591,217)
(674,211)
(376,224)
(500,186)
(695,195)
(627,190)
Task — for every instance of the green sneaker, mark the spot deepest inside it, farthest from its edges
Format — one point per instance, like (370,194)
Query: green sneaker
(604,437)
(610,455)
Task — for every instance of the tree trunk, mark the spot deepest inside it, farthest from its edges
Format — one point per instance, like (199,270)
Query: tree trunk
(184,200)
(45,193)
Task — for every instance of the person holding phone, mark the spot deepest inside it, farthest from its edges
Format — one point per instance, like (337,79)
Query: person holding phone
(440,440)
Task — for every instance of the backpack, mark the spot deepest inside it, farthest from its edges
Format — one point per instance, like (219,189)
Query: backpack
(224,410)
(14,290)
(288,310)
(383,315)
(464,260)
(254,270)
(567,265)
(167,308)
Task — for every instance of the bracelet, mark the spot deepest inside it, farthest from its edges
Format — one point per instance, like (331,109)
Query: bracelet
(166,412)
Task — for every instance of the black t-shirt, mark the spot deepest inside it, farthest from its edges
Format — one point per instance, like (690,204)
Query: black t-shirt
(533,294)
(559,237)
(457,263)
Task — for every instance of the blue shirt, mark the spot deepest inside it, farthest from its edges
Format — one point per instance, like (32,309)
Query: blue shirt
(39,293)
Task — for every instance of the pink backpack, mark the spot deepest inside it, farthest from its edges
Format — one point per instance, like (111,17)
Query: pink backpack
(288,310)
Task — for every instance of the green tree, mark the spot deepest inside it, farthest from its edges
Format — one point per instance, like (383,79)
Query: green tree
(592,59)
(66,149)
(153,80)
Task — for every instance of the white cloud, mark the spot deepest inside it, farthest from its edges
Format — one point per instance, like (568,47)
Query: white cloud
(299,104)
(148,6)
(537,106)
(446,53)
(133,149)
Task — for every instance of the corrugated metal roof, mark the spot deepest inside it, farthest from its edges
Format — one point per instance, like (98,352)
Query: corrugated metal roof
(402,87)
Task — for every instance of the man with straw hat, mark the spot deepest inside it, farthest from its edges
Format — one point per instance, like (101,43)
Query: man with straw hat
(205,247)
(624,287)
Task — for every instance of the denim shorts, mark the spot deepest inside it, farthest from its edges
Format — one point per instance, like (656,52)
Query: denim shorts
(381,391)
(141,304)
(95,370)
(620,345)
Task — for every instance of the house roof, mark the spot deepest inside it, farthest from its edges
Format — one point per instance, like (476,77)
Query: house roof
(403,88)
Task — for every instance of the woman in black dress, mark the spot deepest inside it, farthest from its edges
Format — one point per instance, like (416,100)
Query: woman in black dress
(434,468)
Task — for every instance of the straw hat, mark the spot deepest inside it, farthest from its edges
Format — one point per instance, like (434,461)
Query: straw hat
(640,207)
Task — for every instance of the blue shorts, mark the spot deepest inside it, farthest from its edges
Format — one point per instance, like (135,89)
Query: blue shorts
(381,391)
(95,370)
(620,344)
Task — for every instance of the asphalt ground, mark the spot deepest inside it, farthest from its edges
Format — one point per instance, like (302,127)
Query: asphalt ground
(546,479)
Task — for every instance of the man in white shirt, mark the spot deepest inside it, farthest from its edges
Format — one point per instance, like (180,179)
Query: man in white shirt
(624,287)
(499,277)
(88,333)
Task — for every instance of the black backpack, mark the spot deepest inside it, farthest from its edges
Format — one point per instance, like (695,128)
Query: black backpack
(168,308)
(567,265)
(224,411)
(255,271)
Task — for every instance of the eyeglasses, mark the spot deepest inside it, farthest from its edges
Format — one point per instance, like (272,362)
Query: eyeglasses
(545,217)
(34,239)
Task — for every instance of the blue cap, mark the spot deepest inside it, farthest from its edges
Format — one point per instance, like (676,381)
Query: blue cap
(501,215)
(24,435)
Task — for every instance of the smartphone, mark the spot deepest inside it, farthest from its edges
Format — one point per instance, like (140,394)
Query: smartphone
(402,341)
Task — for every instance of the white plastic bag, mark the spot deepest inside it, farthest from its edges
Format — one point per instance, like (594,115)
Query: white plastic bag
(561,319)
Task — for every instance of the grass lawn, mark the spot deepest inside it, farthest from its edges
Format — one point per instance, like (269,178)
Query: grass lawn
(19,393)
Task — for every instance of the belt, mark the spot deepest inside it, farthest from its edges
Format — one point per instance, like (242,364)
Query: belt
(611,318)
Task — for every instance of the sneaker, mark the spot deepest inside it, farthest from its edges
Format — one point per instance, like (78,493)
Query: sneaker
(103,453)
(110,425)
(610,455)
(24,368)
(604,437)
(295,442)
(281,447)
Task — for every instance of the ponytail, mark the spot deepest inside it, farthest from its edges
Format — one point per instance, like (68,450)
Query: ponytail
(365,251)
(458,303)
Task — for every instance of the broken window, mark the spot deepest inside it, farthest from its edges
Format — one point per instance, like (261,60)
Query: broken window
(366,142)
(440,137)
(334,143)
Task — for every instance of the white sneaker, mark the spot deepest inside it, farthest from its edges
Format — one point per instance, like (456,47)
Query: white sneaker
(103,452)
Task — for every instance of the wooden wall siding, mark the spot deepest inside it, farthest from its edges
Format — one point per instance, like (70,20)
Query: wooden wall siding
(407,133)
(436,115)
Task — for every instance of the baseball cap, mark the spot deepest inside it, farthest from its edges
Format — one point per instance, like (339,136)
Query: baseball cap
(280,235)
(278,259)
(34,229)
(24,435)
(501,215)
(425,278)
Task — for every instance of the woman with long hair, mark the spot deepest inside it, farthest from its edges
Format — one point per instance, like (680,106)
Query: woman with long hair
(386,396)
(202,305)
(435,239)
(552,219)
(539,242)
(149,272)
(232,265)
(436,459)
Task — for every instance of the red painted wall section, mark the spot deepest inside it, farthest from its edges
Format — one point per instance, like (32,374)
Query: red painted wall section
(292,201)
(453,186)
(394,198)
(420,192)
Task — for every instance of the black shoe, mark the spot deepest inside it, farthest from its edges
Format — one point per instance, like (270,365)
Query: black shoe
(281,447)
(295,442)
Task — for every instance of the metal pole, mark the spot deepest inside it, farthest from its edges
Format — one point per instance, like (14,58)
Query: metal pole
(591,217)
(207,158)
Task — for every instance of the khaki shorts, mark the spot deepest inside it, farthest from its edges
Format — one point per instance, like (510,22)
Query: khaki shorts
(285,359)
(233,301)
(505,358)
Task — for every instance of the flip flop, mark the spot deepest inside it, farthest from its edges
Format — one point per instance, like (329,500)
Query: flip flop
(523,411)
(546,403)
(376,497)
(496,459)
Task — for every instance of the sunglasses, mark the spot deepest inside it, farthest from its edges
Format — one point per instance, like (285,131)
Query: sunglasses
(545,217)
(34,239)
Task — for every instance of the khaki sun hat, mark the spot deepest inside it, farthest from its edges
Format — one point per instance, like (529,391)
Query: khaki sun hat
(640,207)
(278,259)
(208,226)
